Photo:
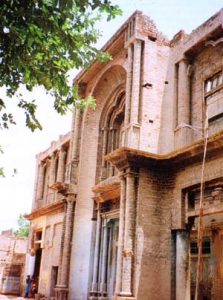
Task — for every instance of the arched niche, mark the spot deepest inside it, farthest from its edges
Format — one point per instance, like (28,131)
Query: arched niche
(111,89)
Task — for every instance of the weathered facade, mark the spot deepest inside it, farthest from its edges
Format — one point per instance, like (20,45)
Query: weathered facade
(133,170)
(49,215)
(12,263)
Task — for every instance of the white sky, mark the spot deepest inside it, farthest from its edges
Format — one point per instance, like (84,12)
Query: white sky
(20,145)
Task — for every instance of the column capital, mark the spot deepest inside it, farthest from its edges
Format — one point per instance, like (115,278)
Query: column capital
(131,172)
(182,59)
(71,198)
(133,40)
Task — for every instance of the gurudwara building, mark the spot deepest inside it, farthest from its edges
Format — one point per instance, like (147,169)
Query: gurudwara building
(116,206)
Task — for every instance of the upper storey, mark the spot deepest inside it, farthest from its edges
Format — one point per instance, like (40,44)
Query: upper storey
(154,95)
(195,86)
(128,91)
(52,169)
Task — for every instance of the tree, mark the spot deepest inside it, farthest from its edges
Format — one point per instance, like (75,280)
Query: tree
(23,230)
(40,41)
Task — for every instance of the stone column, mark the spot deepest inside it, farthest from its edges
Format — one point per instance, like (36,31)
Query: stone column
(62,287)
(183,96)
(120,236)
(61,165)
(136,79)
(40,181)
(94,286)
(182,263)
(103,284)
(129,235)
(183,93)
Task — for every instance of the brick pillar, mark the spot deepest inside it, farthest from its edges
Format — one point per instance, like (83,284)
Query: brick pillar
(62,287)
(103,284)
(128,85)
(182,264)
(120,236)
(62,244)
(74,151)
(76,134)
(183,93)
(94,285)
(133,88)
(61,165)
(104,144)
(129,236)
(52,170)
(183,96)
(40,181)
(136,81)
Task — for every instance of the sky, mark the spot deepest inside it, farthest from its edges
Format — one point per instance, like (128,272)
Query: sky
(20,145)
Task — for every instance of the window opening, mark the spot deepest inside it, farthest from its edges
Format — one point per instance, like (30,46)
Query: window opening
(206,247)
(213,92)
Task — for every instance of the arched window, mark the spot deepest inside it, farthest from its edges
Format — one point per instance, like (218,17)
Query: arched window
(111,133)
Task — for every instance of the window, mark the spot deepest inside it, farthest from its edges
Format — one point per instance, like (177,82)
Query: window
(213,82)
(213,91)
(111,132)
(206,247)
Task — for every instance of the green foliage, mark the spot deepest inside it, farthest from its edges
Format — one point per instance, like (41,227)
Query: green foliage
(40,41)
(23,230)
(2,173)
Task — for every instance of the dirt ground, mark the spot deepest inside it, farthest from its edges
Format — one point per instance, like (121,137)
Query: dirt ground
(7,297)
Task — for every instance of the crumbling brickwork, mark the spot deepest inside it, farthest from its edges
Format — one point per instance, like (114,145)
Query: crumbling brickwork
(12,263)
(128,171)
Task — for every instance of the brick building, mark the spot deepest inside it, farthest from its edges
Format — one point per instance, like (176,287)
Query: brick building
(12,262)
(126,180)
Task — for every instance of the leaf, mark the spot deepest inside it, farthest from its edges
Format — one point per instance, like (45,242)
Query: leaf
(40,42)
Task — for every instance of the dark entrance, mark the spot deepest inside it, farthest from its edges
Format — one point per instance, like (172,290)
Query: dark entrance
(54,275)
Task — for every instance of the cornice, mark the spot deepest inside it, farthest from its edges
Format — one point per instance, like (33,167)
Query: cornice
(125,157)
(46,210)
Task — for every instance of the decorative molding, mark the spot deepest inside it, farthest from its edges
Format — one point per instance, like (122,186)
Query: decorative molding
(214,43)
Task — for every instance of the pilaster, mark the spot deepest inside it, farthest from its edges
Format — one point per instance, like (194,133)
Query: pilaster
(52,169)
(136,82)
(182,263)
(40,181)
(94,285)
(103,284)
(182,131)
(125,272)
(61,165)
(71,175)
(133,92)
(62,286)
(121,236)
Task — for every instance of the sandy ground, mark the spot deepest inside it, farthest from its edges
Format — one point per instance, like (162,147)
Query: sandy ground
(10,297)
(4,297)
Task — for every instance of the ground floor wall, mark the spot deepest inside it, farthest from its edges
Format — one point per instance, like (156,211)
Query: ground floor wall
(156,226)
(47,250)
(12,264)
(153,236)
(185,210)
